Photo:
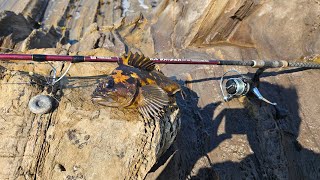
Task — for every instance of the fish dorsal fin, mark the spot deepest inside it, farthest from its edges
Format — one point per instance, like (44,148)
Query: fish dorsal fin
(138,61)
(153,102)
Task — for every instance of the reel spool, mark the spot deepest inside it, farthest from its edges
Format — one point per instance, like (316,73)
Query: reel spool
(234,87)
(237,87)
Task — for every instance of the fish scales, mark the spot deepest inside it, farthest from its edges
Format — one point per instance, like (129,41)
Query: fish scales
(136,83)
(146,78)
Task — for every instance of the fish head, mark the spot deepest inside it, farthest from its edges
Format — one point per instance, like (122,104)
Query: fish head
(112,93)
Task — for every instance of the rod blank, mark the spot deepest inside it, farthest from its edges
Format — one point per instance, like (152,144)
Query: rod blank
(77,59)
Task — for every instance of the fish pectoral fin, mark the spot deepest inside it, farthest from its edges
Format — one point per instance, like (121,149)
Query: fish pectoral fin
(153,102)
(138,61)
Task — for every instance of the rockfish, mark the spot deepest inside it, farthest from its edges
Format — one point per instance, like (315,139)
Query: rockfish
(136,83)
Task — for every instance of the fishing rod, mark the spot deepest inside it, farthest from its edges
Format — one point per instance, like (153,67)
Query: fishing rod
(78,59)
(230,87)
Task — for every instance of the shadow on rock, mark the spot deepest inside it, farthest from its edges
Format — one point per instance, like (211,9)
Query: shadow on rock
(276,152)
(194,140)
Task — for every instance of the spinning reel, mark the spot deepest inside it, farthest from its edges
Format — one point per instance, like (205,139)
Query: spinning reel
(241,86)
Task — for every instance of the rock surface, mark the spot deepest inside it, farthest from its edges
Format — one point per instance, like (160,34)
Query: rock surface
(78,140)
(226,140)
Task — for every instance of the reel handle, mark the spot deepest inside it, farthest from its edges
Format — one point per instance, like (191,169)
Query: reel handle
(257,93)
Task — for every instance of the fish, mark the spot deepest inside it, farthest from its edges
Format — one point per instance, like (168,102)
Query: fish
(136,83)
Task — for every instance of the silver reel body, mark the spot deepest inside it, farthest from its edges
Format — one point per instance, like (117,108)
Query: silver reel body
(239,86)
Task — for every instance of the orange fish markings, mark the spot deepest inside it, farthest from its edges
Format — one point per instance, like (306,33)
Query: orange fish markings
(150,81)
(134,75)
(119,77)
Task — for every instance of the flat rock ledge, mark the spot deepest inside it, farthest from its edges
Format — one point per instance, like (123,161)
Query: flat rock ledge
(78,140)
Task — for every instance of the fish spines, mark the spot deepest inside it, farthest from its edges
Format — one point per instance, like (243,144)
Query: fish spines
(139,61)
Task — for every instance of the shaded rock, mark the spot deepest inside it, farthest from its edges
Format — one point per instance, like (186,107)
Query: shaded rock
(13,29)
(225,22)
(89,40)
(40,39)
(100,38)
(112,40)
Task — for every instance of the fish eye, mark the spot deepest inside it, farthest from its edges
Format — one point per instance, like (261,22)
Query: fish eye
(110,83)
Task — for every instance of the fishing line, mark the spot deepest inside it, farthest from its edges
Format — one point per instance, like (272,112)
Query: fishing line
(64,74)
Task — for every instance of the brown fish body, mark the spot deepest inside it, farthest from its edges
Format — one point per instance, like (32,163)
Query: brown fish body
(136,83)
(146,78)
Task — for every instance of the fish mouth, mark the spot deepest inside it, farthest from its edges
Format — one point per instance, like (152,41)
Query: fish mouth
(107,100)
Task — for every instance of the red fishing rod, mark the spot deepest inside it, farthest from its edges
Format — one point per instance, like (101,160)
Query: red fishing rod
(234,87)
(78,59)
